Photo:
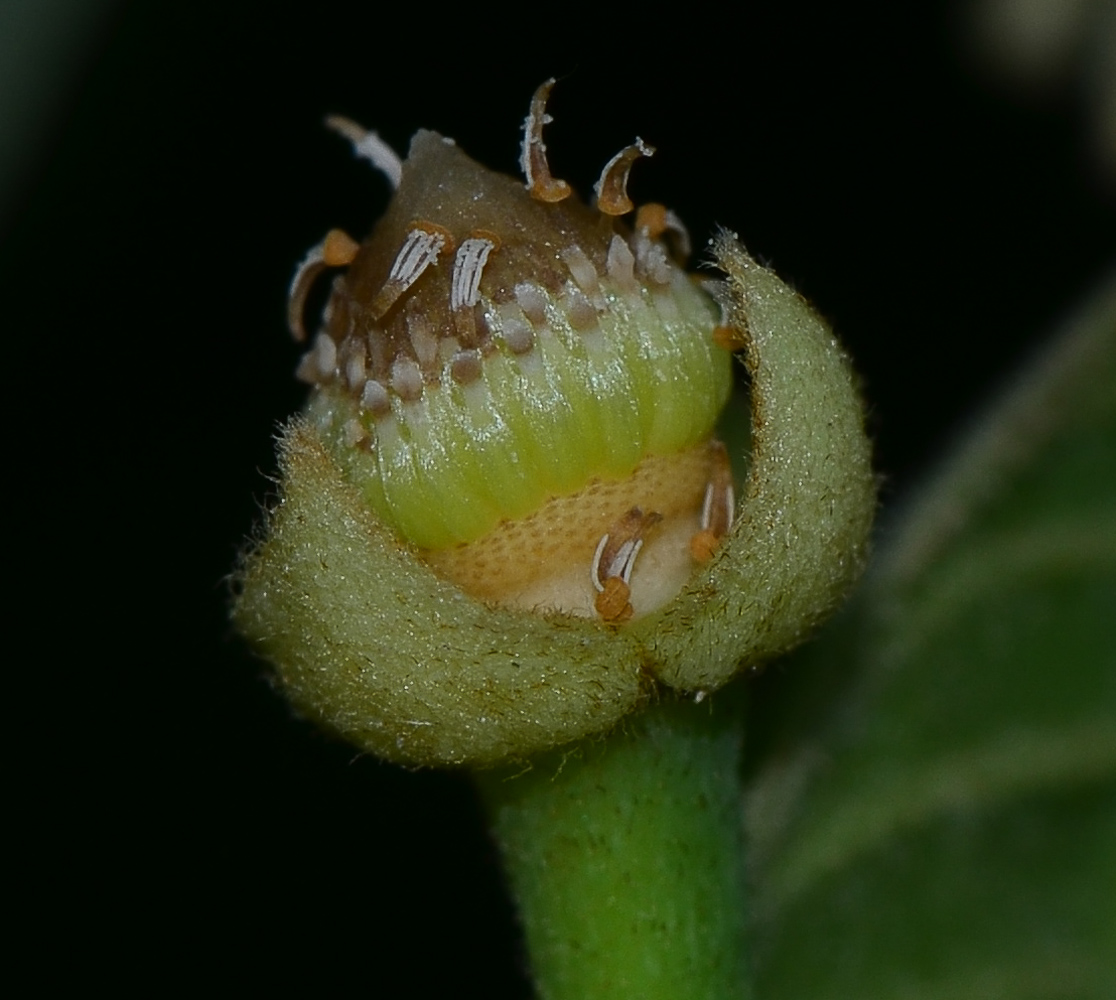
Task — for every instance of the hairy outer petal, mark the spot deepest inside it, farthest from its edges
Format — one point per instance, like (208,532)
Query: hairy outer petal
(800,539)
(369,641)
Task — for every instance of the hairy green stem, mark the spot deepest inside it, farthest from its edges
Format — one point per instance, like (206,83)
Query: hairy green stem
(625,858)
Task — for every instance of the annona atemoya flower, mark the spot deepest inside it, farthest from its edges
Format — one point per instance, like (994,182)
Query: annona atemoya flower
(505,520)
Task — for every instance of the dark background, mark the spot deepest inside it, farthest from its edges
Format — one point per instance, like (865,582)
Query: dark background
(182,825)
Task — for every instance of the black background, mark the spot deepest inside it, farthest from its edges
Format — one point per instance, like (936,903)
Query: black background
(182,825)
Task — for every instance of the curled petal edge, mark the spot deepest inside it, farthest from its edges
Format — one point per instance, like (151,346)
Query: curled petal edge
(800,538)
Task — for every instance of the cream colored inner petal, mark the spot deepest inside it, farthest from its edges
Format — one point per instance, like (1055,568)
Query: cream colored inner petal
(542,562)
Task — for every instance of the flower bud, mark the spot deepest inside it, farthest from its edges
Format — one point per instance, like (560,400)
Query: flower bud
(504,519)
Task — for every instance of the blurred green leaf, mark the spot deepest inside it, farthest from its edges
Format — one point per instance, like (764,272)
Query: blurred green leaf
(949,828)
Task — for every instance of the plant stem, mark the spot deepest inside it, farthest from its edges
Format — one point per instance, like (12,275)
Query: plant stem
(625,858)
